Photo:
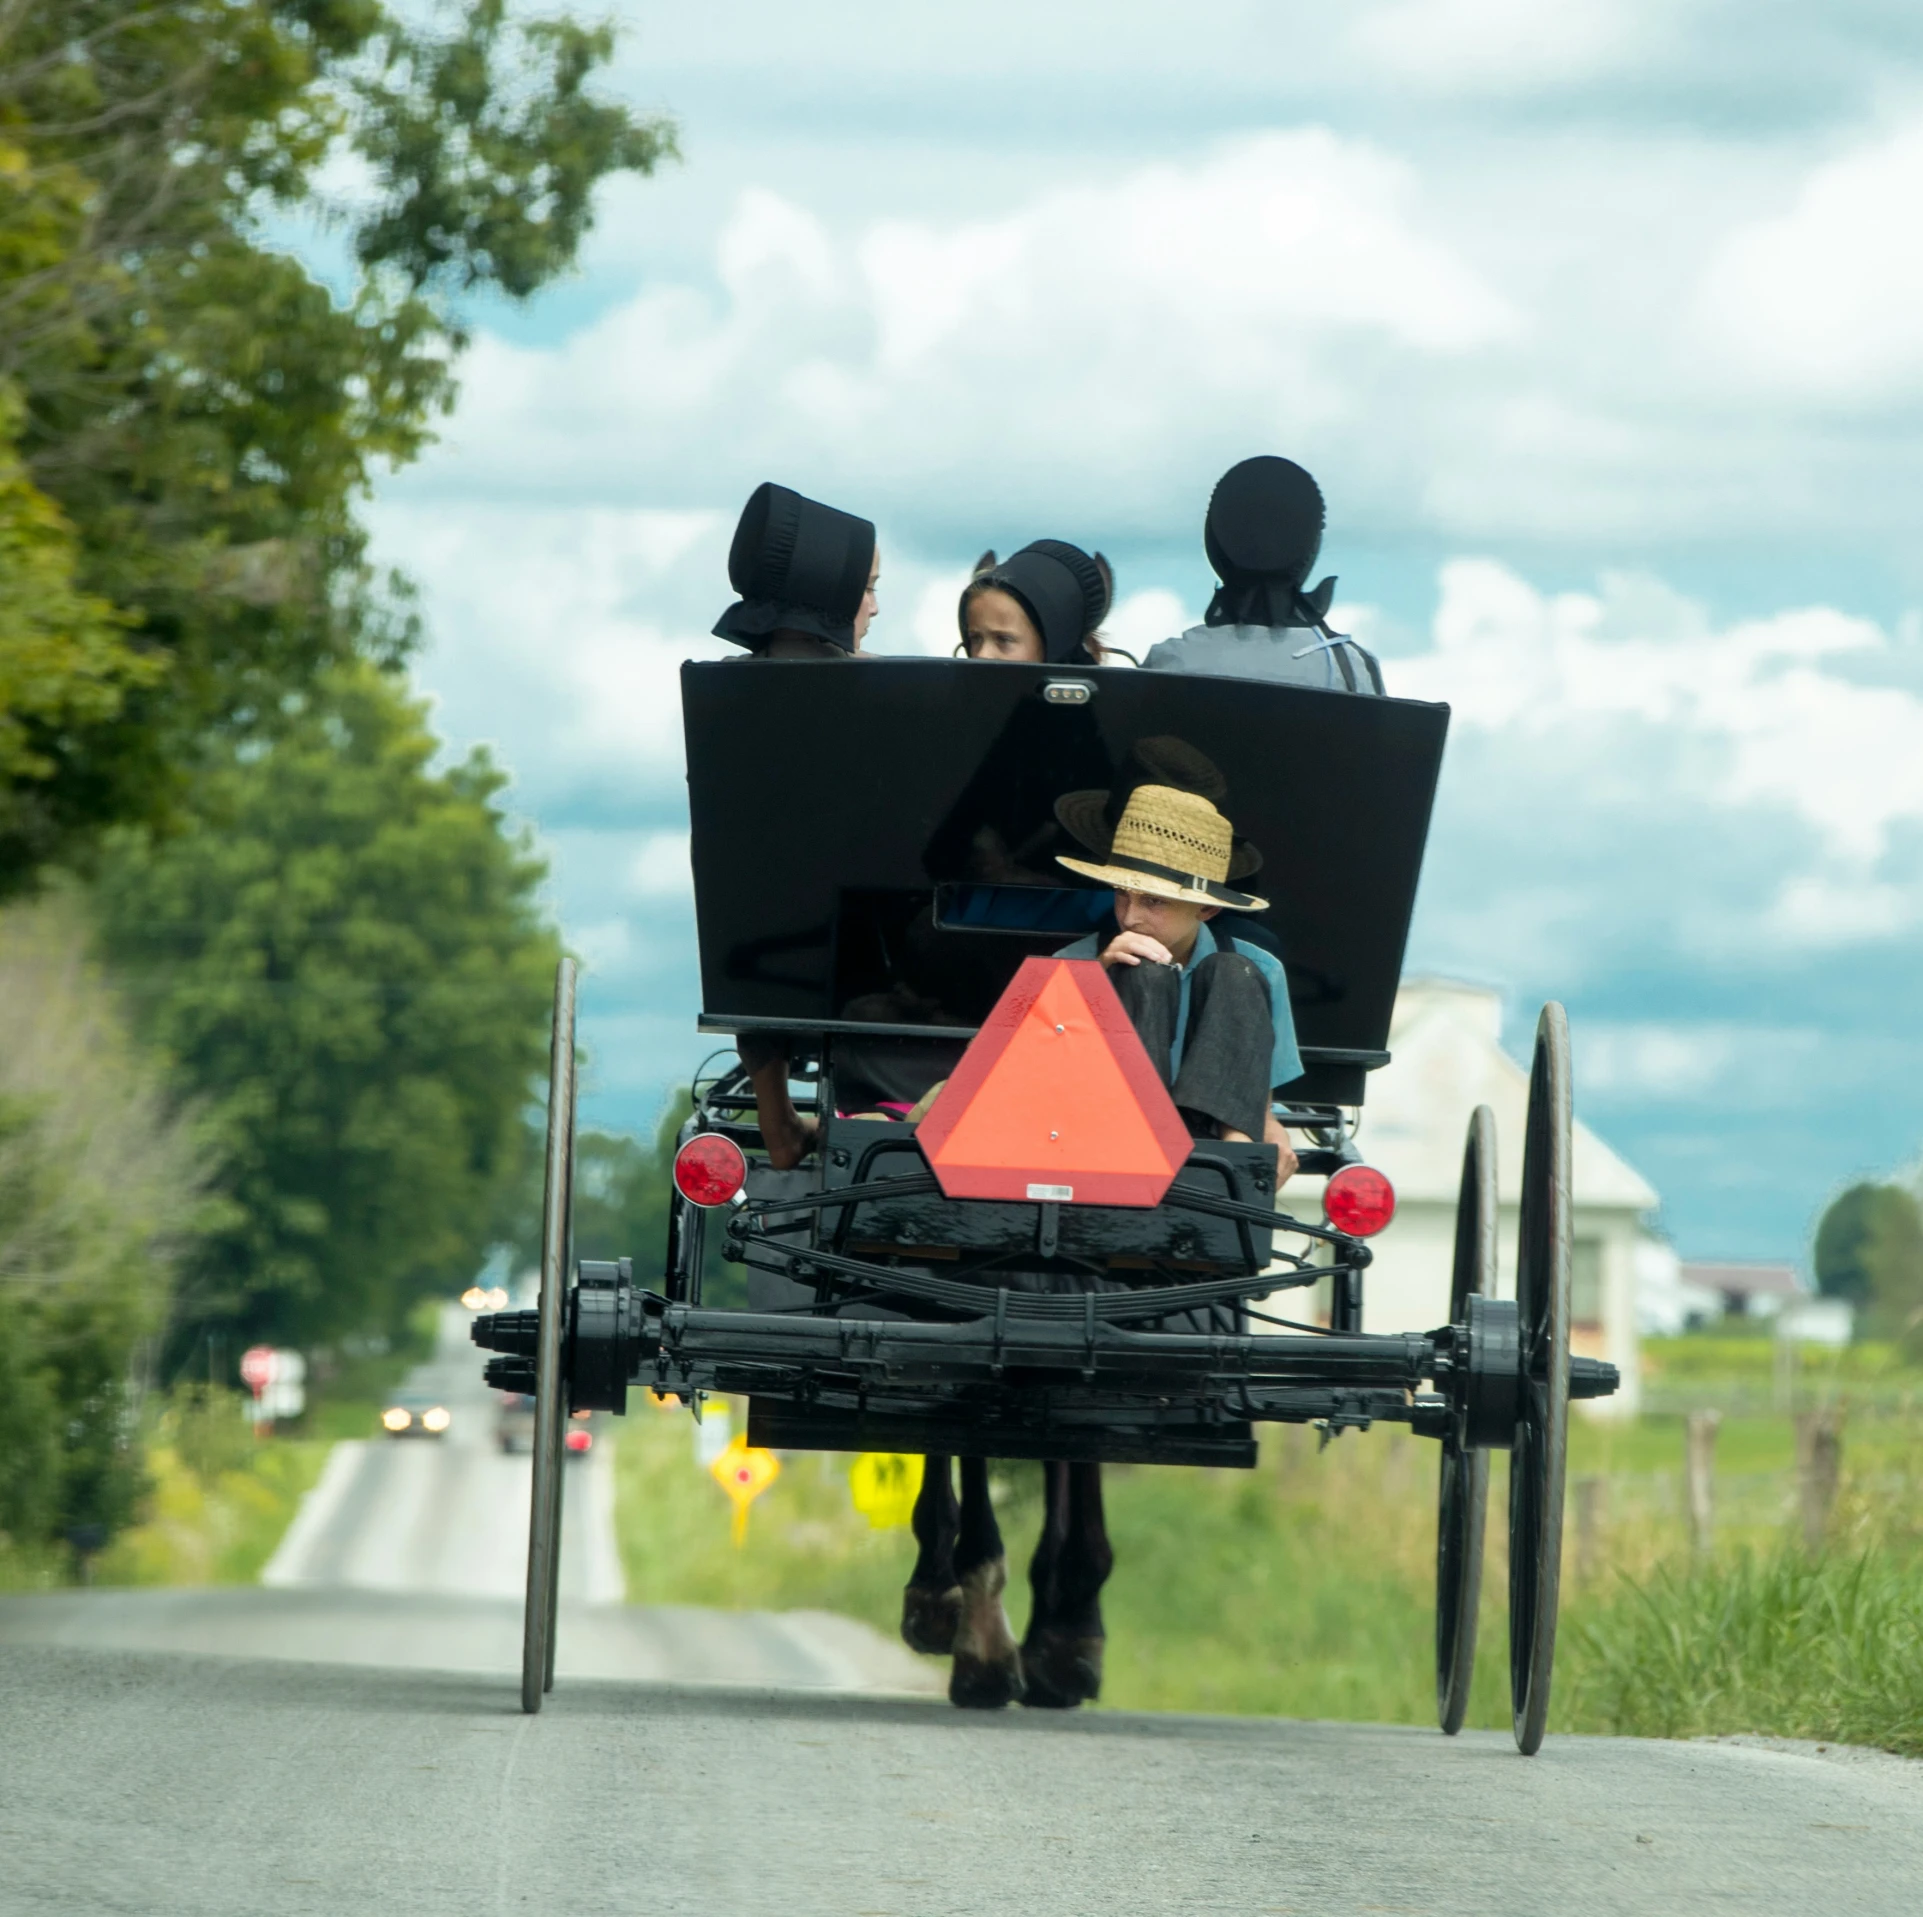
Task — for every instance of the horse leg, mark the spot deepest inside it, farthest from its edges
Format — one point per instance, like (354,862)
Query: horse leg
(931,1601)
(1062,1651)
(987,1672)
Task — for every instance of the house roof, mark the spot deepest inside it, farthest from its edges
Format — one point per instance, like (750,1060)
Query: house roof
(1748,1281)
(1447,1058)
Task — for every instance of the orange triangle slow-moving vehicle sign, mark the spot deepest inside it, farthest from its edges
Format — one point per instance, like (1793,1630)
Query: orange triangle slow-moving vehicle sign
(1055,1100)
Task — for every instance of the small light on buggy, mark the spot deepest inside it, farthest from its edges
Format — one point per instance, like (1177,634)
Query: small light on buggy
(709,1169)
(1359,1201)
(580,1440)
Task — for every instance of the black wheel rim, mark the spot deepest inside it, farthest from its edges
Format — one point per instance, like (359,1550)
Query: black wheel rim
(1463,1491)
(1536,1465)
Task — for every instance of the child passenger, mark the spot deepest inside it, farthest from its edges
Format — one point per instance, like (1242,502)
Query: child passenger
(1041,606)
(806,574)
(1212,1010)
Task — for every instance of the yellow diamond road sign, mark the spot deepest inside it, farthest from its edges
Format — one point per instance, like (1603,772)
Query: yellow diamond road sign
(744,1471)
(884,1485)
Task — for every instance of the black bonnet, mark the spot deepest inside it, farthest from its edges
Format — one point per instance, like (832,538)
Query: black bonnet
(1061,588)
(1263,532)
(799,566)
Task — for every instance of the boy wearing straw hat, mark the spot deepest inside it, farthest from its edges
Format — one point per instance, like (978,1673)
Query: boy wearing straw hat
(1212,1010)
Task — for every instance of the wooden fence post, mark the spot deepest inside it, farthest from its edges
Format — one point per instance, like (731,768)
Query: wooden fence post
(1699,1477)
(1819,1466)
(1592,1503)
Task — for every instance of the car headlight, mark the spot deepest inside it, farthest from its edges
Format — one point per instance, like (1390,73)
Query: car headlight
(396,1419)
(477,1298)
(436,1420)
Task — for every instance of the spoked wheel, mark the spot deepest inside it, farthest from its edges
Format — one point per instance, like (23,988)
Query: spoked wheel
(1464,1495)
(550,1399)
(1542,1425)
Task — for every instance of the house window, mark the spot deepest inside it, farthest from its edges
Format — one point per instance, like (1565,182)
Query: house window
(1586,1281)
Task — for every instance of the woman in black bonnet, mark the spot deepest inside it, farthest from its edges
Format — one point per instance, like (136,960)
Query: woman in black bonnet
(806,574)
(1041,606)
(1263,534)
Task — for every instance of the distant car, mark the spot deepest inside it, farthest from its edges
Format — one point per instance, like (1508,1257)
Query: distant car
(415,1414)
(514,1424)
(514,1427)
(579,1438)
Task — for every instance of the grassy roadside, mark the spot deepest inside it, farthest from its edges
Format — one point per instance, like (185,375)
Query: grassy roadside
(1304,1588)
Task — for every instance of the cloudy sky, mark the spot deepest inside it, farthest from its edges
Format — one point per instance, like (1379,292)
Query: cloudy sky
(1600,322)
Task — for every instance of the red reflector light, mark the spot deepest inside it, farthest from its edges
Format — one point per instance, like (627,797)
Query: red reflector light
(1358,1200)
(580,1440)
(709,1169)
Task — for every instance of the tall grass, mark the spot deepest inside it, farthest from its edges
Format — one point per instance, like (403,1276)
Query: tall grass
(1827,1647)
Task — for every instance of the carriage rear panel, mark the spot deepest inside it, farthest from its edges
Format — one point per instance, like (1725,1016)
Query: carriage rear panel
(876,847)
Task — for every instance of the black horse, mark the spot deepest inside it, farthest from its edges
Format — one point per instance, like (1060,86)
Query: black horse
(952,1606)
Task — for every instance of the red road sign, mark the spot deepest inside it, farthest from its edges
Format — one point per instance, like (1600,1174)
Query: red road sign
(1055,1100)
(257,1368)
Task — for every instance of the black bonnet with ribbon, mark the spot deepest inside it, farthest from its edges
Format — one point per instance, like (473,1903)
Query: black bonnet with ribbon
(1263,532)
(799,566)
(1064,591)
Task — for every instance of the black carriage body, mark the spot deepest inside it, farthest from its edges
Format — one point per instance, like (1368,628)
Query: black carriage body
(874,857)
(886,896)
(863,836)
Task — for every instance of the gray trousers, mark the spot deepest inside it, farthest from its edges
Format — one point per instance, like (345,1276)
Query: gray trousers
(1224,1079)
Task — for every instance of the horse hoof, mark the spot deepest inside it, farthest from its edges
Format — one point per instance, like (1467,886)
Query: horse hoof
(974,1684)
(988,1664)
(1061,1671)
(930,1617)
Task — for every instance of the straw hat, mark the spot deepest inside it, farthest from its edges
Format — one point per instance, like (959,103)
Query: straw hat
(1171,845)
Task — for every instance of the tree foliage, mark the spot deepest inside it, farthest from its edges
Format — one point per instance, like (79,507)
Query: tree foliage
(1869,1249)
(102,1179)
(190,413)
(347,962)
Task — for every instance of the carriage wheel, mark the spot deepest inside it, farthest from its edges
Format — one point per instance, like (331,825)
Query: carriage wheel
(1542,1431)
(550,1399)
(1464,1494)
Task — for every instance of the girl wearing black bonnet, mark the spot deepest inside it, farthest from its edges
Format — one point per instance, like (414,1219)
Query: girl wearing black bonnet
(806,574)
(1040,606)
(1263,535)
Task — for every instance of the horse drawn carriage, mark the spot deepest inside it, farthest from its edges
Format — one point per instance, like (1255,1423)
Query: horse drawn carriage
(1041,1262)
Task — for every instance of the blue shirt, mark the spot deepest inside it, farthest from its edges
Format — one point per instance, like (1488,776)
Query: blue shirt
(1285,1066)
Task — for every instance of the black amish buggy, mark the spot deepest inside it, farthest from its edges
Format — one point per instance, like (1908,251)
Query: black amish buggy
(876,885)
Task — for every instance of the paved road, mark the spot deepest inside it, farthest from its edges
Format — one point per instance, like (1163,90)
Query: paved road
(350,1741)
(446,1515)
(158,1784)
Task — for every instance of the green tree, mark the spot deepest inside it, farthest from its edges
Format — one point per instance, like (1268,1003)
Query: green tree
(102,1181)
(348,964)
(188,415)
(1869,1249)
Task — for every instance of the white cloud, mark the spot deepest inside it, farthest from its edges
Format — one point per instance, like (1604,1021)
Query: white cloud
(1277,284)
(1783,733)
(661,869)
(1825,295)
(1707,1063)
(1501,46)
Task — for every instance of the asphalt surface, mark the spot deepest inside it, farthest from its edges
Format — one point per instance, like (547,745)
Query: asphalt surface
(160,1784)
(350,1740)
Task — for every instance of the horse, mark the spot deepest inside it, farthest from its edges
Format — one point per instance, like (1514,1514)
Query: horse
(952,1604)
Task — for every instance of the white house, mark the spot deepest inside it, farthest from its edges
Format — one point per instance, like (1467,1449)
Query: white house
(1446,1059)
